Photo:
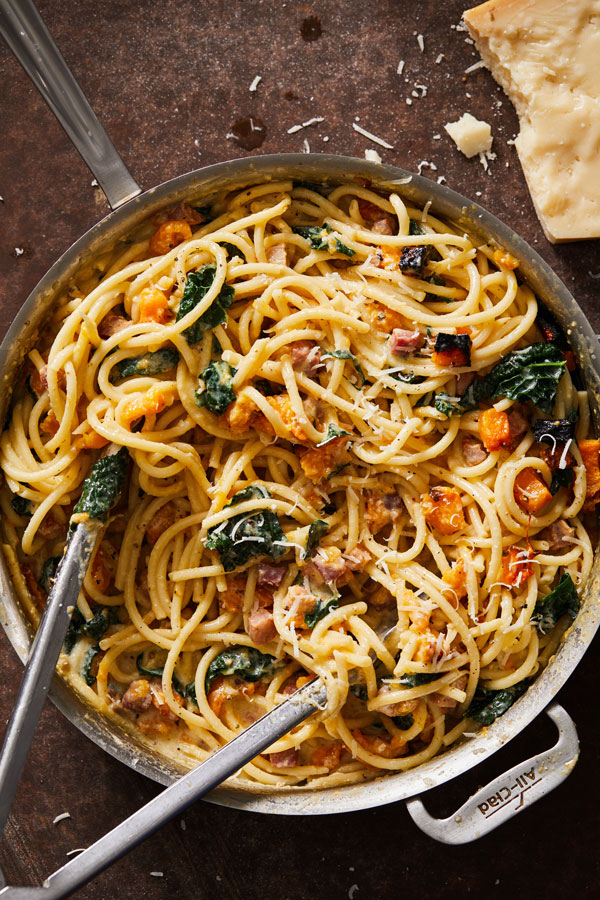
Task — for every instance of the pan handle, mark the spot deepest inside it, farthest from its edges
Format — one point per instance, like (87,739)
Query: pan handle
(508,794)
(27,36)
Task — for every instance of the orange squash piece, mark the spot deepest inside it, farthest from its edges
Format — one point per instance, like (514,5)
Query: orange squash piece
(443,510)
(169,235)
(323,461)
(516,566)
(456,579)
(154,306)
(589,454)
(328,755)
(152,402)
(505,259)
(494,429)
(530,491)
(282,405)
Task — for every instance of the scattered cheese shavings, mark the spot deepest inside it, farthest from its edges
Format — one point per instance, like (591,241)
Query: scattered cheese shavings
(421,42)
(76,850)
(325,138)
(472,136)
(352,891)
(314,121)
(441,179)
(439,58)
(59,818)
(182,825)
(408,101)
(425,163)
(255,83)
(372,137)
(157,874)
(594,274)
(305,146)
(437,137)
(478,65)
(400,68)
(94,183)
(372,155)
(19,251)
(1,199)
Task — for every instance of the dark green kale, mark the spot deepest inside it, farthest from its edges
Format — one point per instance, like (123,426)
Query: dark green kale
(232,250)
(488,705)
(21,506)
(48,572)
(247,663)
(405,377)
(403,722)
(441,282)
(415,228)
(102,488)
(333,432)
(74,630)
(320,610)
(205,212)
(447,405)
(316,531)
(317,237)
(416,679)
(148,664)
(190,692)
(563,600)
(337,470)
(88,662)
(149,364)
(425,400)
(217,393)
(247,535)
(268,388)
(532,374)
(561,478)
(197,285)
(345,354)
(94,627)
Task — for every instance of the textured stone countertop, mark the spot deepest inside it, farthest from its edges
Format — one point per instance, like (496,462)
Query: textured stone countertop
(169,81)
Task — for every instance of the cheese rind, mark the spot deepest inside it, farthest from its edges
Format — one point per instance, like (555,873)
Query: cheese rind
(546,56)
(471,135)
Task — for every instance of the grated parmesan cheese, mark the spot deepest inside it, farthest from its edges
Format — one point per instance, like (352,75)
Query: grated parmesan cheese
(59,818)
(400,68)
(372,155)
(255,83)
(372,137)
(472,136)
(421,42)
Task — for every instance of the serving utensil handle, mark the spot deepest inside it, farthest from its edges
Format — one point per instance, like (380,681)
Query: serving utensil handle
(27,36)
(219,766)
(510,793)
(42,660)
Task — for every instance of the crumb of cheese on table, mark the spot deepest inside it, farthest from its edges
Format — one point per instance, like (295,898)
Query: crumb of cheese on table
(546,56)
(471,135)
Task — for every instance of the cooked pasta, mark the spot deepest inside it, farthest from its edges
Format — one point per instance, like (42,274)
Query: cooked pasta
(356,451)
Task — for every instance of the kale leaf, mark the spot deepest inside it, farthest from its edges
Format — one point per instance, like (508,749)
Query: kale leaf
(532,374)
(345,354)
(549,609)
(317,529)
(144,662)
(232,250)
(415,228)
(102,488)
(333,432)
(247,663)
(48,572)
(488,705)
(88,661)
(317,237)
(247,535)
(441,282)
(416,679)
(217,393)
(320,610)
(447,405)
(405,377)
(403,722)
(21,506)
(561,478)
(94,627)
(148,364)
(197,285)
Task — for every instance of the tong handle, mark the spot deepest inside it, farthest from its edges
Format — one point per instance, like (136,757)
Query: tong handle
(25,33)
(219,766)
(42,658)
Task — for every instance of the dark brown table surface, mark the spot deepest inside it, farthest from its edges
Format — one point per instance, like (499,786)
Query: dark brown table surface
(169,80)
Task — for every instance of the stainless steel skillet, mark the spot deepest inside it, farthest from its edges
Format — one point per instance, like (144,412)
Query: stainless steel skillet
(120,188)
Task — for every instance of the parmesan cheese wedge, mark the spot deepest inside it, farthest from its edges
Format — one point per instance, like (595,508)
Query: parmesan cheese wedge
(546,56)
